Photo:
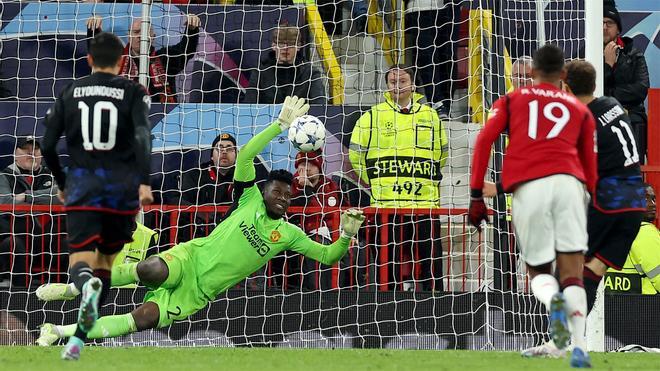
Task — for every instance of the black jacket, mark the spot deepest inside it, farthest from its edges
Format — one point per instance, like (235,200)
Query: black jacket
(39,188)
(271,83)
(198,186)
(628,81)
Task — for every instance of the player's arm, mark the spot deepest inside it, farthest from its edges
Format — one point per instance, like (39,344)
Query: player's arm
(587,151)
(142,142)
(351,220)
(54,123)
(359,145)
(494,127)
(292,108)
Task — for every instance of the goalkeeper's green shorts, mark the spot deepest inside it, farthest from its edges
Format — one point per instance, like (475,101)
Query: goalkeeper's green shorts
(179,296)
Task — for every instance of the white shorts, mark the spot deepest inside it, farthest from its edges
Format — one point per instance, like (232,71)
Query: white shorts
(549,215)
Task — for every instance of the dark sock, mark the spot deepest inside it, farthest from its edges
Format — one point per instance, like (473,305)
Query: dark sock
(104,276)
(80,334)
(79,274)
(591,281)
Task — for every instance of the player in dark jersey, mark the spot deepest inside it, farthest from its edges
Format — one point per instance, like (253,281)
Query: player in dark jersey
(618,206)
(105,121)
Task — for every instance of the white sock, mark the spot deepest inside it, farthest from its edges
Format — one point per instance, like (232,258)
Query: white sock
(73,290)
(576,311)
(544,286)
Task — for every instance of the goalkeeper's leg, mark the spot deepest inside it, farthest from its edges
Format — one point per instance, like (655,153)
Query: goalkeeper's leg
(152,272)
(146,316)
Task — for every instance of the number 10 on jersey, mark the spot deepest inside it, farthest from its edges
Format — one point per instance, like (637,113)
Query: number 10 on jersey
(97,126)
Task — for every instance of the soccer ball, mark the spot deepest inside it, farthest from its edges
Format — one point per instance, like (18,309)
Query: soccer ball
(307,133)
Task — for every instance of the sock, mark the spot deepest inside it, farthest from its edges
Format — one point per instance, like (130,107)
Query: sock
(105,327)
(72,290)
(104,276)
(591,281)
(79,274)
(544,286)
(576,310)
(124,274)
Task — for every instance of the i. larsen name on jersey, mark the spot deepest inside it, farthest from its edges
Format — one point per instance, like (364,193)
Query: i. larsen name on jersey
(610,115)
(98,91)
(252,236)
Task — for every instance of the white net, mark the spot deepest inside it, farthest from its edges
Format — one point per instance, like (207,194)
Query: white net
(229,76)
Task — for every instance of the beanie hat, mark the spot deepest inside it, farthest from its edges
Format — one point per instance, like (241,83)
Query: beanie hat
(609,11)
(313,157)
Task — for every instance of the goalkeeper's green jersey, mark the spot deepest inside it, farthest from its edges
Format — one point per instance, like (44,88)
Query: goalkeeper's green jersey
(247,238)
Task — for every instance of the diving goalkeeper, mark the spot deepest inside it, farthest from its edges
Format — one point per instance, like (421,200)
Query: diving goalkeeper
(184,279)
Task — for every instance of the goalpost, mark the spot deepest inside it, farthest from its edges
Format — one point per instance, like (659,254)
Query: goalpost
(486,303)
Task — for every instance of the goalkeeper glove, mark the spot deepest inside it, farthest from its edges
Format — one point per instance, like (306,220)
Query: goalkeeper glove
(351,220)
(292,108)
(477,212)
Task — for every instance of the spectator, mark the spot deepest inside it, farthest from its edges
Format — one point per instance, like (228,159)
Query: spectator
(312,189)
(641,272)
(521,72)
(164,64)
(626,74)
(284,72)
(211,183)
(398,147)
(433,29)
(25,182)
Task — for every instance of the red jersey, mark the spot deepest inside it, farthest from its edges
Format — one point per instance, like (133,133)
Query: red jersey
(550,132)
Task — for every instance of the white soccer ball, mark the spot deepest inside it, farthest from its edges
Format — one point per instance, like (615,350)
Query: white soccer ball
(307,133)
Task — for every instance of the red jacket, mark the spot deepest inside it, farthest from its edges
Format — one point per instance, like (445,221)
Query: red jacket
(325,194)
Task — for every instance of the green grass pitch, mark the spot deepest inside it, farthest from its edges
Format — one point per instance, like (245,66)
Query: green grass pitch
(262,359)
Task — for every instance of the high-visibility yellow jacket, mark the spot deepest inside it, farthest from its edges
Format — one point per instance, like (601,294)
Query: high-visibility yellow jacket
(400,154)
(641,272)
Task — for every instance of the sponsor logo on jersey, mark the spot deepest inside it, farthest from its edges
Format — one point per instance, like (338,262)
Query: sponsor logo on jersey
(275,236)
(403,166)
(252,236)
(168,257)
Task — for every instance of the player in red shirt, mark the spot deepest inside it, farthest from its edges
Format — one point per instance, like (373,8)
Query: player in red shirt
(549,157)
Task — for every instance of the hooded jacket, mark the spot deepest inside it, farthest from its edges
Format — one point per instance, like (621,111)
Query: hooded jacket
(273,82)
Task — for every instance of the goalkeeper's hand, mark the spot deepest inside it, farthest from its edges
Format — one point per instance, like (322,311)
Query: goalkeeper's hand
(292,108)
(477,213)
(351,220)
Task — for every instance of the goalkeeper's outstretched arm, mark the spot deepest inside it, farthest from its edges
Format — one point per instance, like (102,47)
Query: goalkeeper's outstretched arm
(292,108)
(351,221)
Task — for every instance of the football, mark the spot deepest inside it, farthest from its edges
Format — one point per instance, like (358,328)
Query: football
(307,133)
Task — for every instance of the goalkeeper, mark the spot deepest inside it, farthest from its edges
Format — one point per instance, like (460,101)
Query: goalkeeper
(187,277)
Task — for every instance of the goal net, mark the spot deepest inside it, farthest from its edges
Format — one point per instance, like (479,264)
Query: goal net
(414,278)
